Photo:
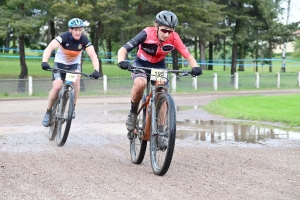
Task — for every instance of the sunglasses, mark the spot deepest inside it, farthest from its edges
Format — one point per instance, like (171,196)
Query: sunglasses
(166,30)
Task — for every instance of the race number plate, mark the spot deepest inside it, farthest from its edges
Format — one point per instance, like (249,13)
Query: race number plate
(71,77)
(159,75)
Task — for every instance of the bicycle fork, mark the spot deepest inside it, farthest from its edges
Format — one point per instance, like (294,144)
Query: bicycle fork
(66,86)
(153,112)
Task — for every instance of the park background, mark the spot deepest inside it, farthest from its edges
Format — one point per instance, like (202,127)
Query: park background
(249,38)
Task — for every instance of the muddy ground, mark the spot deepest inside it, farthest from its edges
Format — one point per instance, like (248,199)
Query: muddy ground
(95,161)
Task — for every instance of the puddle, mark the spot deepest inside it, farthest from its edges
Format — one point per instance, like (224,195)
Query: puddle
(220,131)
(214,131)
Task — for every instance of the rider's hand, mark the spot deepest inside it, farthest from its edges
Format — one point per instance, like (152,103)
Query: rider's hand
(45,66)
(124,65)
(196,71)
(95,74)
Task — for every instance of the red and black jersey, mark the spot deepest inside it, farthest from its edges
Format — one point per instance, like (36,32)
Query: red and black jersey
(153,50)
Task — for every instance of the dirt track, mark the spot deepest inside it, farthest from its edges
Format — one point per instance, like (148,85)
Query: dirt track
(95,161)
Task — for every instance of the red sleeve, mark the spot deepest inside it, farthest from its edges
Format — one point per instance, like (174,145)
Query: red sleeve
(181,48)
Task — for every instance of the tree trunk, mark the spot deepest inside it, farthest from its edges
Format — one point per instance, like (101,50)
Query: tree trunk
(233,60)
(51,32)
(109,49)
(175,59)
(224,54)
(270,55)
(14,46)
(210,59)
(256,56)
(2,45)
(195,48)
(98,30)
(7,41)
(241,57)
(202,54)
(24,70)
(82,88)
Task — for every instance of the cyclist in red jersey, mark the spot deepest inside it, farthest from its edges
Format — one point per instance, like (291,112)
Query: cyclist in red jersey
(154,44)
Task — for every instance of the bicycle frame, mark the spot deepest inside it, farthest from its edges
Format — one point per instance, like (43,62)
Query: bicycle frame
(158,122)
(63,108)
(151,95)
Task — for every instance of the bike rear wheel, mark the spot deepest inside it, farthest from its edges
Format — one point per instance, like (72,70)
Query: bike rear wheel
(64,119)
(53,122)
(137,144)
(162,141)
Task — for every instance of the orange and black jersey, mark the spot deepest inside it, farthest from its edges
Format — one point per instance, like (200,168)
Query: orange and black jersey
(69,51)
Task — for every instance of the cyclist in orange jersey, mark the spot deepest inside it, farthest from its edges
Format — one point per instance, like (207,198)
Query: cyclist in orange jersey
(70,45)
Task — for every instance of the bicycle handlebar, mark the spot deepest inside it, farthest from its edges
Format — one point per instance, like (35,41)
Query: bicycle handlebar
(142,70)
(70,71)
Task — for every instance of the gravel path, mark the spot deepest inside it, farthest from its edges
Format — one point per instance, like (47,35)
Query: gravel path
(95,161)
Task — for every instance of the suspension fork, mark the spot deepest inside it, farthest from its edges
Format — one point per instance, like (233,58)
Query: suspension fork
(153,110)
(67,85)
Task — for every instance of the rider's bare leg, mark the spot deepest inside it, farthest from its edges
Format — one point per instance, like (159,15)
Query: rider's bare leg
(77,87)
(139,85)
(56,86)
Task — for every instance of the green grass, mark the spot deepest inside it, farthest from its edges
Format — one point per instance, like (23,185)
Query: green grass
(283,109)
(280,108)
(10,67)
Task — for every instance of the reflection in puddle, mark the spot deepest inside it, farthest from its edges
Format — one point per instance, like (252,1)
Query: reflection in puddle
(216,131)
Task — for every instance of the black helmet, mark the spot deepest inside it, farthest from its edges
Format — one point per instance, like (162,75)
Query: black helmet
(167,18)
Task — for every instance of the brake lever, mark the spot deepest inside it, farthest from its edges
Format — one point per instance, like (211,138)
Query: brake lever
(186,73)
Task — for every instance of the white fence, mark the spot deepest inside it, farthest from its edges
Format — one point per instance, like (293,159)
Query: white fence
(122,85)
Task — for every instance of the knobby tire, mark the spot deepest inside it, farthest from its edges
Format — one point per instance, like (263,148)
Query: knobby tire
(64,122)
(53,122)
(138,146)
(165,123)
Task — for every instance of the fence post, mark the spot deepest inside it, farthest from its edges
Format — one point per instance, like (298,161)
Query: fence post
(257,80)
(104,84)
(278,79)
(215,76)
(173,82)
(195,83)
(30,85)
(298,79)
(236,81)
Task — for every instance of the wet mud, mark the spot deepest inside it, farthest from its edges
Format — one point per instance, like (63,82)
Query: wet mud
(214,158)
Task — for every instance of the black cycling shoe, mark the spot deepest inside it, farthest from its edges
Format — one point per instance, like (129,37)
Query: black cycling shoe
(46,121)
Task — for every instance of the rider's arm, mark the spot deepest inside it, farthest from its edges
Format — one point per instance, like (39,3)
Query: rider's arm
(92,54)
(191,60)
(183,50)
(122,54)
(54,44)
(131,44)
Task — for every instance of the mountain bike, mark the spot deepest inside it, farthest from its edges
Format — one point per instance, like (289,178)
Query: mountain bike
(156,121)
(63,108)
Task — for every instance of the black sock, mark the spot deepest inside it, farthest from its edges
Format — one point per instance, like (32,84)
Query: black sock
(134,107)
(48,111)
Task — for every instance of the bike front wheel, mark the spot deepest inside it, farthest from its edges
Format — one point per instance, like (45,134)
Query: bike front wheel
(138,146)
(162,140)
(53,122)
(64,118)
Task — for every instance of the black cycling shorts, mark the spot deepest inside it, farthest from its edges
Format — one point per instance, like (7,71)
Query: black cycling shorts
(61,75)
